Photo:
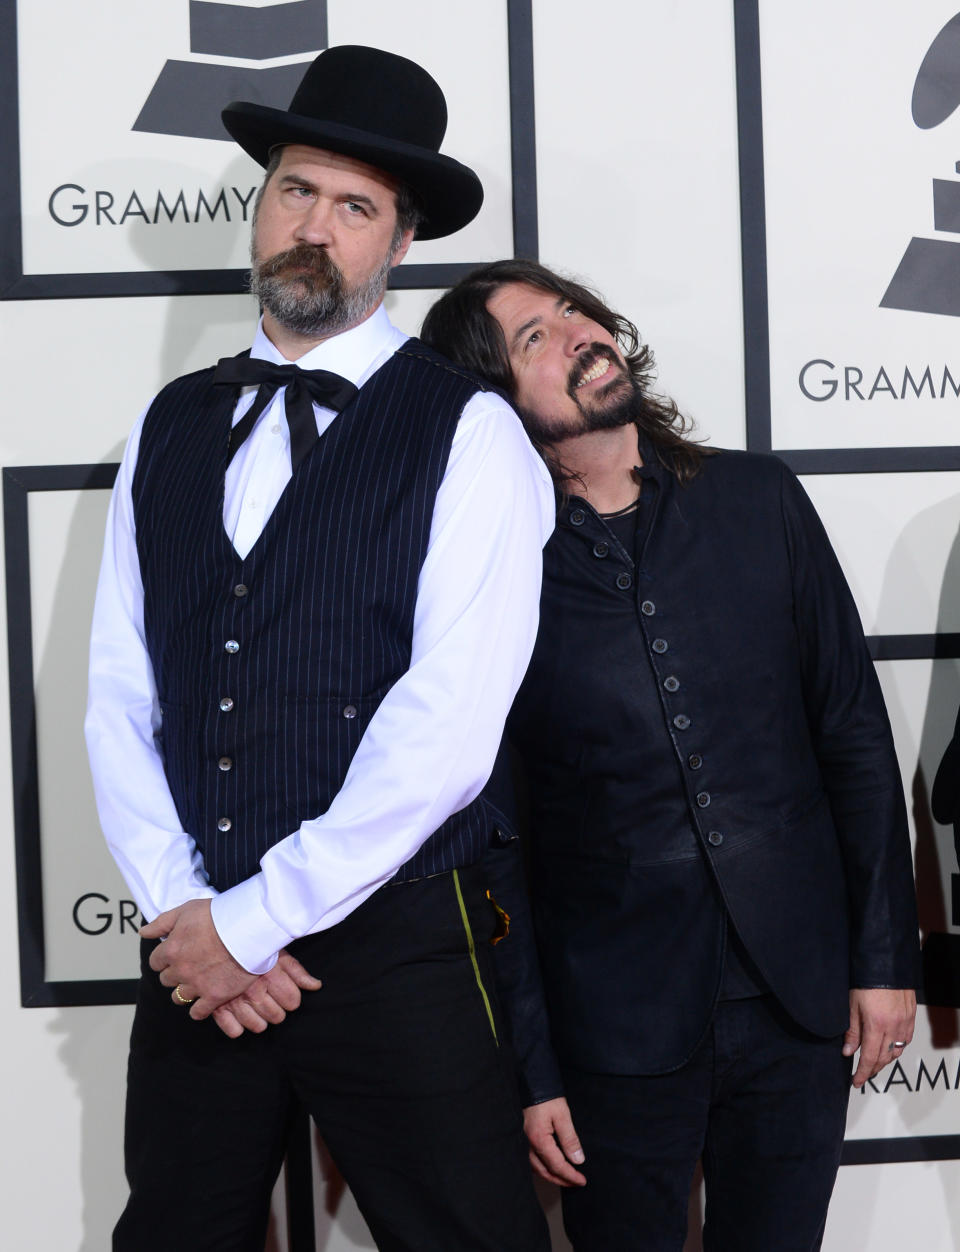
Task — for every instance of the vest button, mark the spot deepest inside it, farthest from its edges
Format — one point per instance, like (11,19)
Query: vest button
(231,646)
(226,704)
(349,711)
(671,683)
(703,799)
(659,645)
(224,823)
(577,517)
(694,760)
(681,721)
(715,838)
(648,608)
(601,548)
(624,581)
(225,764)
(240,590)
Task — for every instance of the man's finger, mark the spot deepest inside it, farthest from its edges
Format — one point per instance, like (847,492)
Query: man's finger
(263,1004)
(567,1138)
(160,956)
(556,1168)
(871,1061)
(541,1170)
(249,1017)
(227,1021)
(203,1008)
(297,973)
(280,986)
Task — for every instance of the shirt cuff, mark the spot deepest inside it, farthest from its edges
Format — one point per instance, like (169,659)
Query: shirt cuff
(246,928)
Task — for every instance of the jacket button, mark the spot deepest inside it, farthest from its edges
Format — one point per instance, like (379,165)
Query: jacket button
(226,704)
(624,581)
(224,823)
(671,683)
(659,645)
(240,590)
(349,711)
(703,799)
(715,838)
(694,760)
(601,548)
(681,721)
(231,646)
(577,517)
(648,608)
(224,765)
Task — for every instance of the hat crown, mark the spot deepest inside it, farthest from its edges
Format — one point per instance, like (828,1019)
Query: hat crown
(372,90)
(375,107)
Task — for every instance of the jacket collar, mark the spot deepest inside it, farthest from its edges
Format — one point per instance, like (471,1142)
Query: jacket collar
(573,510)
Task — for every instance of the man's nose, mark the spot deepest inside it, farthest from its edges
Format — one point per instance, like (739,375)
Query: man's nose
(315,226)
(577,337)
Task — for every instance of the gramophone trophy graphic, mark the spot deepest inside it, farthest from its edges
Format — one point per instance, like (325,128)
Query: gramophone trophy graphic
(187,97)
(928,278)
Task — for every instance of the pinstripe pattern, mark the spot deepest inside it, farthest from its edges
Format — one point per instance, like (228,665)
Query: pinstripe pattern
(321,608)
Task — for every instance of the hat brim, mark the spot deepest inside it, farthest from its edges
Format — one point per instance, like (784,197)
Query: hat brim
(450,194)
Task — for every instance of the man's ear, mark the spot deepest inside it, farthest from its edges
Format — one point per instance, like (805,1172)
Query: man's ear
(406,239)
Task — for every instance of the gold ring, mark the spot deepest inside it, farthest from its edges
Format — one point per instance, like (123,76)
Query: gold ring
(182,999)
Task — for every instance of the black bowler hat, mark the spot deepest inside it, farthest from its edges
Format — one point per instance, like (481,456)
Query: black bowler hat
(376,107)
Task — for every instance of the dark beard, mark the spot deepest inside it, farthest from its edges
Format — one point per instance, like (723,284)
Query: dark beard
(617,403)
(306,293)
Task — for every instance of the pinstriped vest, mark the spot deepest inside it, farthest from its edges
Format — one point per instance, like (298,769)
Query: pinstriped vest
(269,667)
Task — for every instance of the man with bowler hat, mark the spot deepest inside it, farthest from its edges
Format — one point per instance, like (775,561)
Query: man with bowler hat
(318,597)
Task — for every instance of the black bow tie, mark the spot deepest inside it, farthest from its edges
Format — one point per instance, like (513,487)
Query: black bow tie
(304,388)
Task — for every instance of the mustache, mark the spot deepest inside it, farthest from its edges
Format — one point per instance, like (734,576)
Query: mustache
(302,257)
(587,360)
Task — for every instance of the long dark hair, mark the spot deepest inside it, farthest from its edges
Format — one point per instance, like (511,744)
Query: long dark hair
(461,327)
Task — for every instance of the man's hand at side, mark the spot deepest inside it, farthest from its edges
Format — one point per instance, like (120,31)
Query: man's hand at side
(194,960)
(881,1025)
(267,1001)
(554,1146)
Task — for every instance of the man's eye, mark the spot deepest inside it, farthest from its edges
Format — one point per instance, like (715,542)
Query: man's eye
(356,209)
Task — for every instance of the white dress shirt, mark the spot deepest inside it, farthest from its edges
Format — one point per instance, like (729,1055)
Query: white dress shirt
(430,746)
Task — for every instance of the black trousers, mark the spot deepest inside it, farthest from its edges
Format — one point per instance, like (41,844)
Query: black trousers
(764,1105)
(395,1058)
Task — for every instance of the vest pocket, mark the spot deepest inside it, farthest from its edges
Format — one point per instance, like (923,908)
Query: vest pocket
(321,736)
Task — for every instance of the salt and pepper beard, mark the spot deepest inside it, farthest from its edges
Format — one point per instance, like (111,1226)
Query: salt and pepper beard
(615,404)
(306,292)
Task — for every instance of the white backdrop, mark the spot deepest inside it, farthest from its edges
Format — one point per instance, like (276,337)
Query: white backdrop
(637,177)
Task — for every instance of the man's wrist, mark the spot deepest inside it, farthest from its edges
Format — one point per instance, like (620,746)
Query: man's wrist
(246,929)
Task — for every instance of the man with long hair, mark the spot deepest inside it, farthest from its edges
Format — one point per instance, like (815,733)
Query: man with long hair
(719,859)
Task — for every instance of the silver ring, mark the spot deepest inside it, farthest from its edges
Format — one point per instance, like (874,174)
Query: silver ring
(897,1043)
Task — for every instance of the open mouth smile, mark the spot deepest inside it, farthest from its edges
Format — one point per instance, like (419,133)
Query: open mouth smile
(597,370)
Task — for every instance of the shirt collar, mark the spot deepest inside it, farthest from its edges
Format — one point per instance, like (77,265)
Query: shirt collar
(354,354)
(649,467)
